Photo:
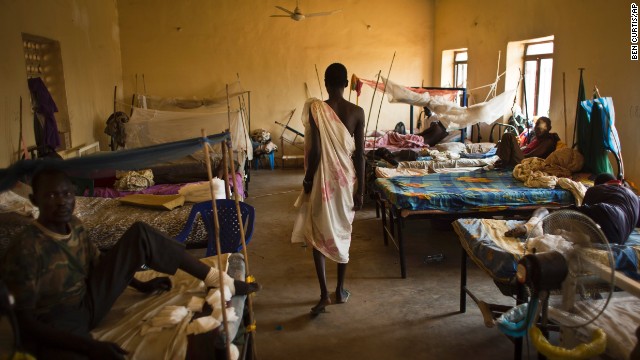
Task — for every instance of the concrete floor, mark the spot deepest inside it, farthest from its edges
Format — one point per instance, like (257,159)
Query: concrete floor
(386,317)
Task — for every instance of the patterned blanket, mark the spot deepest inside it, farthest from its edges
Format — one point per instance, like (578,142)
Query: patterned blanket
(477,191)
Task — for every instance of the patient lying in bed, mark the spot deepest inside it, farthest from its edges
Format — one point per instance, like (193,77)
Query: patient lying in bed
(609,203)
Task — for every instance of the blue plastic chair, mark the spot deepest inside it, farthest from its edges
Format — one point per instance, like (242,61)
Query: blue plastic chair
(257,160)
(230,240)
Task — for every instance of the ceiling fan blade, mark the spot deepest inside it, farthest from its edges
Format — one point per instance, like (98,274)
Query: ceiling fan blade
(325,13)
(285,10)
(287,16)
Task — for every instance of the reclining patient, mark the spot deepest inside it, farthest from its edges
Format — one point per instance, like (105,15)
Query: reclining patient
(608,203)
(63,287)
(542,145)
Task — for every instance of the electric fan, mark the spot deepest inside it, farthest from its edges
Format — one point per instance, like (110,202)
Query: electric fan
(568,268)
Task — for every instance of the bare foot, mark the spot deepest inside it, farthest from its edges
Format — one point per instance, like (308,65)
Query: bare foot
(342,296)
(320,307)
(519,230)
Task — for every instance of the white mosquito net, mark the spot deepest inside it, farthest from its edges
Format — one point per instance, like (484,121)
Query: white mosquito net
(450,114)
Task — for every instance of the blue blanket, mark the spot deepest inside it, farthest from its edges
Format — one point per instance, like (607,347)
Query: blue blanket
(468,191)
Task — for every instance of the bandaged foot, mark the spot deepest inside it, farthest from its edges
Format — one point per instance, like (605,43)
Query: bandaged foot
(517,231)
(532,228)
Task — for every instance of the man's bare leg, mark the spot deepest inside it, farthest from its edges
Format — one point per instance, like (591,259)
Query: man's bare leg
(318,259)
(522,229)
(342,294)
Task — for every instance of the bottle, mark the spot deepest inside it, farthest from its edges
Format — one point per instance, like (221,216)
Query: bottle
(435,258)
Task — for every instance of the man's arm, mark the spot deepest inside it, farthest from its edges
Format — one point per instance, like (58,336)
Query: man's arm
(45,334)
(358,159)
(313,156)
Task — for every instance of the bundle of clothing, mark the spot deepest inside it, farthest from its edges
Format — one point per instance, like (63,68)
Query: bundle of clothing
(556,169)
(261,141)
(133,180)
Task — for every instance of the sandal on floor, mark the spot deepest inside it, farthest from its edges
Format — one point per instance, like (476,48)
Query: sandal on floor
(345,298)
(320,307)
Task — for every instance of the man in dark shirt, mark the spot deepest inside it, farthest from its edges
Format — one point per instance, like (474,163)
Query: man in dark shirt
(613,206)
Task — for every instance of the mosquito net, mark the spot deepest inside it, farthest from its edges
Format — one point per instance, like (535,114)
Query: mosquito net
(450,114)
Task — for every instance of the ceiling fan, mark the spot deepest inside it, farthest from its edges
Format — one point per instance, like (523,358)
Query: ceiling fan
(298,15)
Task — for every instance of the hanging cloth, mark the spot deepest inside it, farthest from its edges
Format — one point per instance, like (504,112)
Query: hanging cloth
(45,125)
(596,159)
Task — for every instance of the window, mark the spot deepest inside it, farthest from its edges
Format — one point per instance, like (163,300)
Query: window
(460,68)
(538,63)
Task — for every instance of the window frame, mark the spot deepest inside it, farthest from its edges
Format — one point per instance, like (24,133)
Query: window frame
(457,63)
(538,59)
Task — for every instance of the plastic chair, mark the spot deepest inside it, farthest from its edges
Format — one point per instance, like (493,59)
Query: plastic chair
(230,240)
(270,156)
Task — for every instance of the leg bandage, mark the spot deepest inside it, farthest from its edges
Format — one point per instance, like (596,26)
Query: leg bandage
(213,280)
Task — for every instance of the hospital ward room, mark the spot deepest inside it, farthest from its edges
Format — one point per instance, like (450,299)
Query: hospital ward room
(305,179)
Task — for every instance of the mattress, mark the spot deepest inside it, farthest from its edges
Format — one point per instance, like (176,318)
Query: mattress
(498,255)
(467,192)
(107,219)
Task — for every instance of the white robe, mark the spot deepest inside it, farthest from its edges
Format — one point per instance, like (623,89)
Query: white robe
(326,213)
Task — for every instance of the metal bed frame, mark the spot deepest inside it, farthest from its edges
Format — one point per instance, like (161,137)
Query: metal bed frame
(393,220)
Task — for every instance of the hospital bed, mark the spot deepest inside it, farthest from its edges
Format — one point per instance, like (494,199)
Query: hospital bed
(107,219)
(454,195)
(483,241)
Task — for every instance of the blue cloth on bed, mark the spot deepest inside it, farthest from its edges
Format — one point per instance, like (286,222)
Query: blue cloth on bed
(467,191)
(626,259)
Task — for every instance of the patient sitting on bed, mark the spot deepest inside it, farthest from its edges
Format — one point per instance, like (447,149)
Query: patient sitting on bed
(542,145)
(435,132)
(609,203)
(63,287)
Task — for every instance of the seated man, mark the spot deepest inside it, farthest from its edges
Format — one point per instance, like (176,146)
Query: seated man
(435,132)
(542,145)
(608,203)
(63,287)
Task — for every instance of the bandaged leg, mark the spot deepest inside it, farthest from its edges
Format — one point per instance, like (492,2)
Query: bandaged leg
(213,280)
(236,286)
(531,228)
